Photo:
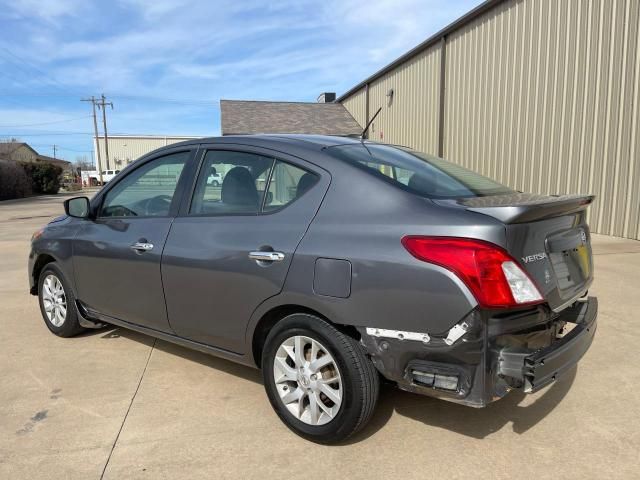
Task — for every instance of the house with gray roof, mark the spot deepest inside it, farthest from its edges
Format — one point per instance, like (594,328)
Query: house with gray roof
(239,117)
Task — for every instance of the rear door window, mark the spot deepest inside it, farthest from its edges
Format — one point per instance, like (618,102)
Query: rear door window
(417,172)
(231,183)
(244,183)
(287,183)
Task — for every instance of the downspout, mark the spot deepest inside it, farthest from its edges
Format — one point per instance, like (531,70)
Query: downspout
(441,113)
(366,102)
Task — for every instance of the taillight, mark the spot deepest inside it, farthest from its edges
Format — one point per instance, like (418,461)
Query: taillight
(492,275)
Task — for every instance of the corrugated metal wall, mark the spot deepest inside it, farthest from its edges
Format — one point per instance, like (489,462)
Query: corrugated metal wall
(411,117)
(125,149)
(356,104)
(542,95)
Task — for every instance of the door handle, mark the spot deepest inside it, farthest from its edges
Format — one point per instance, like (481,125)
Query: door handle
(142,247)
(266,256)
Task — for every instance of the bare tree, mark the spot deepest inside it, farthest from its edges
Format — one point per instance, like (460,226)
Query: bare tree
(83,163)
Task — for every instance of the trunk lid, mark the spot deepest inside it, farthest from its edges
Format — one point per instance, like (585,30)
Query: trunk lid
(548,236)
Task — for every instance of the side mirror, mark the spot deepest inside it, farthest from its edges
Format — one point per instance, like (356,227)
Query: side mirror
(77,207)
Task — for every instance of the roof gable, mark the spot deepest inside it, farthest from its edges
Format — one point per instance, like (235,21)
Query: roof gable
(7,148)
(240,117)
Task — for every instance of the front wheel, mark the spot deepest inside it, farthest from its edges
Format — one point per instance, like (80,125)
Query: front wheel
(318,379)
(57,303)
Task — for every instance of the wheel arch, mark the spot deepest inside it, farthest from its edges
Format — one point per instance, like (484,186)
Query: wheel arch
(269,320)
(42,261)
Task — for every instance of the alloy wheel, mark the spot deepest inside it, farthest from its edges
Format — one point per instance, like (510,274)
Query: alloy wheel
(54,300)
(308,380)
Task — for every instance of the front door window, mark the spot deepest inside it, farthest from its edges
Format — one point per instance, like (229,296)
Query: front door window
(147,191)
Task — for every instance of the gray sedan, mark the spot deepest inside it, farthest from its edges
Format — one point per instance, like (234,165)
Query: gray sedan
(331,264)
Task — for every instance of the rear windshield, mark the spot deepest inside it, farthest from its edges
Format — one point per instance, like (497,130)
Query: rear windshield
(417,172)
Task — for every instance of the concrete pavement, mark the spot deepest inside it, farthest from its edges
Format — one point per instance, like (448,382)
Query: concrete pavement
(121,404)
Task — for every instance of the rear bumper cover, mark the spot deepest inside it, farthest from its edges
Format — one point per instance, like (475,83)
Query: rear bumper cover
(494,357)
(536,370)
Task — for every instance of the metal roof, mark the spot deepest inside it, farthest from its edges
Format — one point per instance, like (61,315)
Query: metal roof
(452,27)
(250,117)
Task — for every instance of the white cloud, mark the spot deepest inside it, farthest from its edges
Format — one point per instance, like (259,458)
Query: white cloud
(49,11)
(286,50)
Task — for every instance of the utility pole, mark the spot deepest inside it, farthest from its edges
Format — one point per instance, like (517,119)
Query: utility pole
(95,129)
(102,104)
(54,150)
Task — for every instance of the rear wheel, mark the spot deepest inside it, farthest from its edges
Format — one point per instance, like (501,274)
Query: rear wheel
(319,380)
(57,303)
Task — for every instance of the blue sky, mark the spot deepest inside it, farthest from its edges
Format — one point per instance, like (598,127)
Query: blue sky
(165,64)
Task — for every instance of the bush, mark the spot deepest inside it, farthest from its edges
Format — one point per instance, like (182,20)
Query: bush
(45,177)
(14,181)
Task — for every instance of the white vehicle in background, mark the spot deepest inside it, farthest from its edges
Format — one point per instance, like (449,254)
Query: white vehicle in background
(214,179)
(92,177)
(108,175)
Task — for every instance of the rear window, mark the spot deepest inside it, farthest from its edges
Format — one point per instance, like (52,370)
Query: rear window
(418,172)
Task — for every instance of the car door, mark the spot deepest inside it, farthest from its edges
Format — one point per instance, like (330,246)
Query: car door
(231,246)
(117,255)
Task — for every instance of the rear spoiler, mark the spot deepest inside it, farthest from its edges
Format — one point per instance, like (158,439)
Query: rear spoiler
(522,208)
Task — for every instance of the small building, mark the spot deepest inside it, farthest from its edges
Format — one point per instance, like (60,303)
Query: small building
(124,149)
(22,152)
(240,117)
(17,152)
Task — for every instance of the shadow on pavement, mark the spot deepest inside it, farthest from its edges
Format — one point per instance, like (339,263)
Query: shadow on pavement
(227,366)
(471,422)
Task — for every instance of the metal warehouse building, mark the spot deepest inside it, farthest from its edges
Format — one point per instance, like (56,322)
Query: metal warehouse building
(124,149)
(542,95)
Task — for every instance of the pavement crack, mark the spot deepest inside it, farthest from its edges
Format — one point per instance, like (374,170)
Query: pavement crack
(113,447)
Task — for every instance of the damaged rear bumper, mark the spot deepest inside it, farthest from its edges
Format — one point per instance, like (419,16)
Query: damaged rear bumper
(535,370)
(497,352)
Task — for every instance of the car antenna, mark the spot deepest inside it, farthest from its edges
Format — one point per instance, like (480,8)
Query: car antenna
(364,132)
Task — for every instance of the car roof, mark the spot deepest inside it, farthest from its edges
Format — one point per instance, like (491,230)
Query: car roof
(315,142)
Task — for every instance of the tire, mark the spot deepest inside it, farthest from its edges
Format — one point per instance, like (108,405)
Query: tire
(216,183)
(66,325)
(309,401)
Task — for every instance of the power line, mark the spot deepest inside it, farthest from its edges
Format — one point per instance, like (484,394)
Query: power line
(42,134)
(53,82)
(37,95)
(67,149)
(149,98)
(45,123)
(113,134)
(180,101)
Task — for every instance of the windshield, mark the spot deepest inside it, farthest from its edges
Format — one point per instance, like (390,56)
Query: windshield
(417,172)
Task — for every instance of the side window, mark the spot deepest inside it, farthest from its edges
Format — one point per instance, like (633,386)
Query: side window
(146,191)
(287,184)
(230,183)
